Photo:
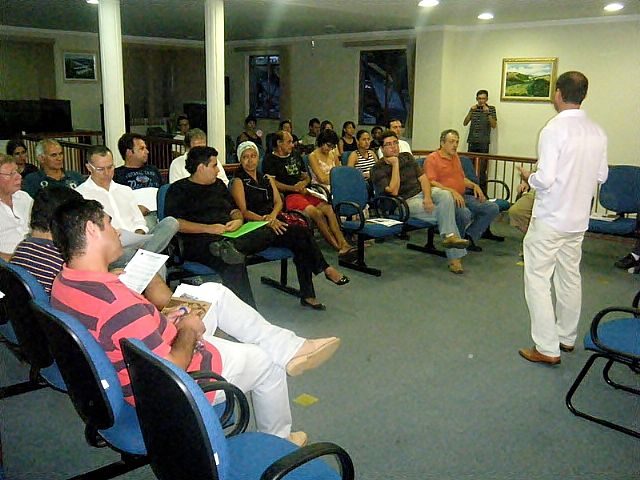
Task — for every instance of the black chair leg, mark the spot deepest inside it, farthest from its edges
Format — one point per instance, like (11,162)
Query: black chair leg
(20,388)
(283,284)
(428,247)
(619,386)
(359,264)
(575,411)
(126,464)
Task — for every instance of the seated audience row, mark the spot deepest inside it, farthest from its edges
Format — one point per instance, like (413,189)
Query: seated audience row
(89,244)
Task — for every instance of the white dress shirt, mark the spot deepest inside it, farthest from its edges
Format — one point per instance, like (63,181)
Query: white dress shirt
(178,171)
(572,161)
(118,202)
(404,147)
(14,222)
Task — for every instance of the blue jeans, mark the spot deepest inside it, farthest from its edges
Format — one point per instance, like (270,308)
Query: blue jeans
(475,217)
(444,214)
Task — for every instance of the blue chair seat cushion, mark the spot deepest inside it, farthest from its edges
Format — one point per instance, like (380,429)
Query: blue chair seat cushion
(619,226)
(53,377)
(251,454)
(275,253)
(622,335)
(196,268)
(372,230)
(6,330)
(126,434)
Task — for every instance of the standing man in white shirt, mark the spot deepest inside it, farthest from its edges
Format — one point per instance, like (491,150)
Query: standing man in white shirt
(572,161)
(120,204)
(15,207)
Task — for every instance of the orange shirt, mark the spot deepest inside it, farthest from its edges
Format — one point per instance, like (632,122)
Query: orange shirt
(446,171)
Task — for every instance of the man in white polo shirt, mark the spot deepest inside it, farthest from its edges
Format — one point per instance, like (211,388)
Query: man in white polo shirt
(15,207)
(120,204)
(572,161)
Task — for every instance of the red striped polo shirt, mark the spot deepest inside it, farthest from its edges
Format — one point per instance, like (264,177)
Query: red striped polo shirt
(111,311)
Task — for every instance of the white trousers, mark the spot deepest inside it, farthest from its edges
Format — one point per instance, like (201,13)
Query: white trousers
(259,363)
(549,254)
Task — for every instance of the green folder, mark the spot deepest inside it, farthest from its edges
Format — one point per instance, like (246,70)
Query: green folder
(245,228)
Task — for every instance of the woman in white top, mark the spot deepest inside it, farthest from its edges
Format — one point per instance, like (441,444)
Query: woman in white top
(363,158)
(324,157)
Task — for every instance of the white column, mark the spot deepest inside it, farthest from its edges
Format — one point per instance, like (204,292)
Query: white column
(214,55)
(112,74)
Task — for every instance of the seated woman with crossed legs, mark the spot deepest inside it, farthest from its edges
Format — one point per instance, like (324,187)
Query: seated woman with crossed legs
(259,199)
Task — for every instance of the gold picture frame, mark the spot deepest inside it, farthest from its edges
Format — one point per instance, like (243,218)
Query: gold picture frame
(528,79)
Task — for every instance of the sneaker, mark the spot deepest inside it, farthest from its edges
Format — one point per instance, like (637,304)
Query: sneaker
(454,241)
(627,262)
(225,250)
(455,266)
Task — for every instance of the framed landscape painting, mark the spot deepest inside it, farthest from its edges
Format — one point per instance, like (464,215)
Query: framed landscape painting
(79,67)
(528,79)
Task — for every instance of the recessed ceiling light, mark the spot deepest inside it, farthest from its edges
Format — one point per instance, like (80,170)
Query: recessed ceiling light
(428,3)
(614,7)
(93,2)
(485,16)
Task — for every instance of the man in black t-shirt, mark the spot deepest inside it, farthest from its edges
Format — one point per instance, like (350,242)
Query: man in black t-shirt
(205,210)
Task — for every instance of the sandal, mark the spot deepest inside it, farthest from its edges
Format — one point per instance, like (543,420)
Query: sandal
(343,280)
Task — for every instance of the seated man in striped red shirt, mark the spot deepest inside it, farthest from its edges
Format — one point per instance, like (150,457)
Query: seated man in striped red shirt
(111,311)
(37,252)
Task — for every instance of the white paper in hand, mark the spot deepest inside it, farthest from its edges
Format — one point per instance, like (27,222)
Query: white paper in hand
(141,269)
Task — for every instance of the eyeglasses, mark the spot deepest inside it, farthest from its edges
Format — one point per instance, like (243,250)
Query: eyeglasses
(108,168)
(330,145)
(389,144)
(11,174)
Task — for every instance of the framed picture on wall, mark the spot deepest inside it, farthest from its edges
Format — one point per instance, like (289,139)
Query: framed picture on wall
(528,79)
(79,67)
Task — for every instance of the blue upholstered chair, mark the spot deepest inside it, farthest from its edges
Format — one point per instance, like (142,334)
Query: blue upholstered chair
(21,328)
(616,340)
(619,194)
(344,158)
(349,199)
(185,440)
(94,389)
(470,172)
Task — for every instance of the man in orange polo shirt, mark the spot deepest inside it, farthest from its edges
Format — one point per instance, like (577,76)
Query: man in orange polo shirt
(474,213)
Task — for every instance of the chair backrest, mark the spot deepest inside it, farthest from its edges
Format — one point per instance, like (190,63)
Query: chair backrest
(469,170)
(182,434)
(621,192)
(344,159)
(162,198)
(19,287)
(92,382)
(348,185)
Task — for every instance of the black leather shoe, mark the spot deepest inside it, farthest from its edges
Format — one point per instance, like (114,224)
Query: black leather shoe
(627,262)
(490,236)
(315,306)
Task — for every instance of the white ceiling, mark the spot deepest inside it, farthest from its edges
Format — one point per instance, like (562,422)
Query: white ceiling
(259,19)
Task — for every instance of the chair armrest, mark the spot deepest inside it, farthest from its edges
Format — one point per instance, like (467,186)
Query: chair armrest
(596,322)
(338,206)
(206,374)
(636,300)
(380,202)
(231,392)
(504,185)
(280,468)
(320,189)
